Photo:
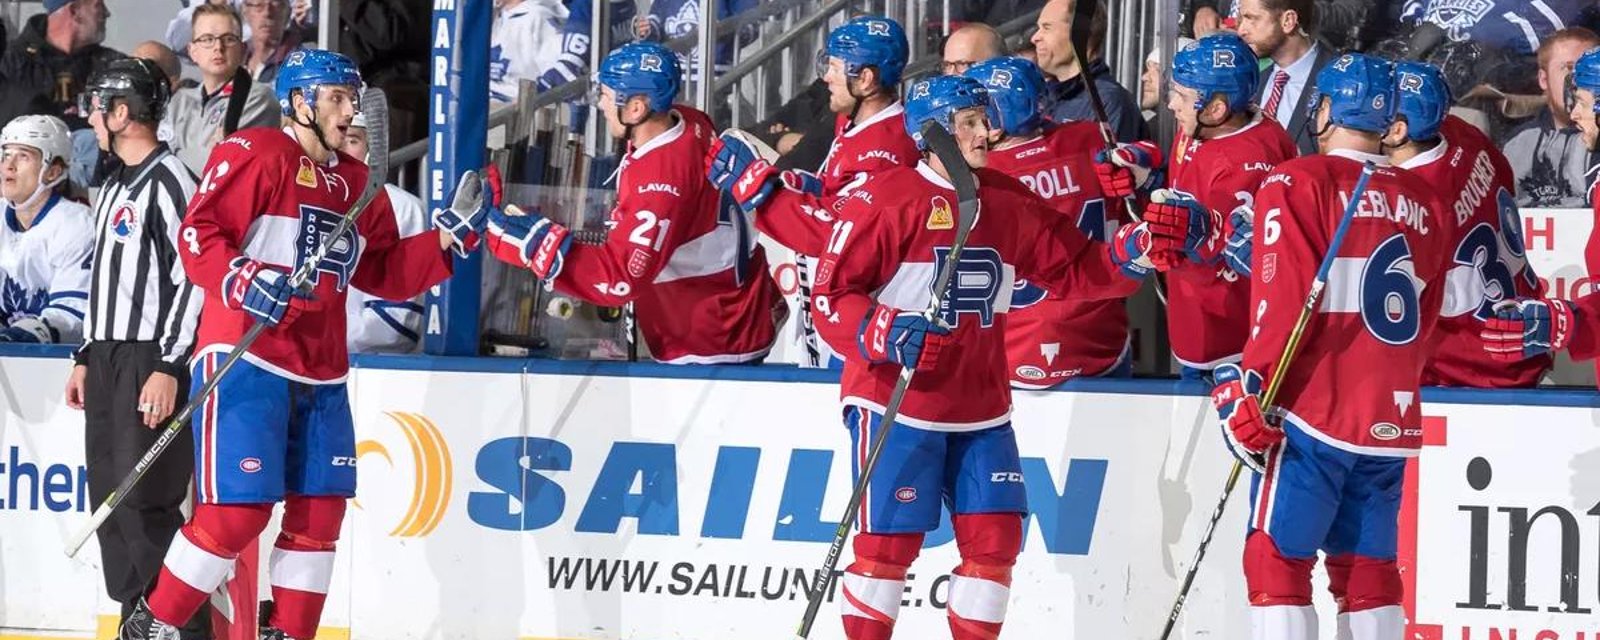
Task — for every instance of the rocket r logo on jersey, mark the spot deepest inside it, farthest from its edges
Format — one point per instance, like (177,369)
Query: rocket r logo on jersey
(974,287)
(315,225)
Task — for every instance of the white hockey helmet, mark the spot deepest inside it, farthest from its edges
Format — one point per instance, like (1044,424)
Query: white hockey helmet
(48,134)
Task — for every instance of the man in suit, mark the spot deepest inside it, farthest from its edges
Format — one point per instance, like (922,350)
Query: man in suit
(1280,31)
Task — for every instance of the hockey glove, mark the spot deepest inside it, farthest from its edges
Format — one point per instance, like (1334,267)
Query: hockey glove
(529,239)
(259,290)
(1525,328)
(1237,253)
(1130,250)
(29,330)
(1244,428)
(741,165)
(464,219)
(1180,228)
(1127,168)
(906,338)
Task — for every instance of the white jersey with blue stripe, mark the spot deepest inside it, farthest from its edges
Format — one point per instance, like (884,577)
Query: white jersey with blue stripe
(44,269)
(389,326)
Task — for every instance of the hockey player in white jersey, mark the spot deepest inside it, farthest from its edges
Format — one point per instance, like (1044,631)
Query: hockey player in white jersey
(46,240)
(525,42)
(377,325)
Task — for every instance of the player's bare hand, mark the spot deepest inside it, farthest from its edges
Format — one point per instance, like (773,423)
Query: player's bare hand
(75,387)
(157,398)
(1206,22)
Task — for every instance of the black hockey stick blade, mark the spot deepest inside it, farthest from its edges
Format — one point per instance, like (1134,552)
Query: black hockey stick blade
(242,83)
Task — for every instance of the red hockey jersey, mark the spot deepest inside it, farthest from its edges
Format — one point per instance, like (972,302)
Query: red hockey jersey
(802,222)
(1050,339)
(263,198)
(1487,262)
(887,249)
(1208,306)
(698,281)
(1354,381)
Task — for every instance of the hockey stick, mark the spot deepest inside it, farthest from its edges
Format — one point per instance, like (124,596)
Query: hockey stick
(239,94)
(949,154)
(1270,392)
(376,107)
(1078,40)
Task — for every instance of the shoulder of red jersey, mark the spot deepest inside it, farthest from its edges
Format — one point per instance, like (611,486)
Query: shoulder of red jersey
(1461,132)
(1074,137)
(696,123)
(1260,146)
(258,142)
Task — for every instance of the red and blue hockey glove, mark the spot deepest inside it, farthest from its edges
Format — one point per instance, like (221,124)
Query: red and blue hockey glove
(1180,228)
(1525,327)
(906,338)
(1244,428)
(741,165)
(1127,168)
(261,291)
(1130,250)
(529,239)
(467,214)
(29,329)
(1237,252)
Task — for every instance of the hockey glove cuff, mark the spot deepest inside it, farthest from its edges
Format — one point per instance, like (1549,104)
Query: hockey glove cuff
(1130,250)
(1180,229)
(741,165)
(1525,328)
(529,239)
(30,330)
(1127,168)
(259,290)
(1244,427)
(1237,252)
(906,338)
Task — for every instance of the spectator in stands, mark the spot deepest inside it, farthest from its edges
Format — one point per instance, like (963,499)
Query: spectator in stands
(526,42)
(974,42)
(1150,81)
(1281,30)
(45,69)
(376,325)
(182,25)
(1058,60)
(270,41)
(164,58)
(1547,154)
(671,19)
(197,117)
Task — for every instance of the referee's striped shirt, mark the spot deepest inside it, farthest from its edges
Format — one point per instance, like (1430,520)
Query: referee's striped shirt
(138,291)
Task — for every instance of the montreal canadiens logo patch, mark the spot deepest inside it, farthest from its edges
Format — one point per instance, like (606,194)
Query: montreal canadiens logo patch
(906,494)
(250,465)
(124,221)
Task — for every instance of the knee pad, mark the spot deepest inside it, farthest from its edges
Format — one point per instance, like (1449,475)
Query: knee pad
(311,523)
(885,555)
(226,529)
(1275,580)
(989,544)
(1371,583)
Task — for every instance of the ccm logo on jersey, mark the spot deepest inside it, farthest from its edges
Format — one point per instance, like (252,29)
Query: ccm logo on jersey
(344,461)
(1006,476)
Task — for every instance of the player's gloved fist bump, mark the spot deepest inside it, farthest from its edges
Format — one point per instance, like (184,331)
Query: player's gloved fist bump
(906,338)
(1180,229)
(1236,252)
(529,239)
(1130,250)
(1127,168)
(467,214)
(1525,328)
(259,290)
(1245,429)
(742,166)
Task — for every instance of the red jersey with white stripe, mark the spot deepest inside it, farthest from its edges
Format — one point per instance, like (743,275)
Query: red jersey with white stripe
(886,250)
(1487,263)
(1208,306)
(694,273)
(1049,338)
(1354,382)
(263,198)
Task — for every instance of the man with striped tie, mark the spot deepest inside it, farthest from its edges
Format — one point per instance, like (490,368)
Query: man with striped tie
(1281,31)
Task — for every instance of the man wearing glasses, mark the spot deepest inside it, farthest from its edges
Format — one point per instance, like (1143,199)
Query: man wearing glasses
(974,42)
(198,117)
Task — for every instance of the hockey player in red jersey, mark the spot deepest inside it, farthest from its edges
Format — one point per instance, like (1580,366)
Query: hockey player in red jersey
(865,58)
(278,426)
(1330,455)
(696,278)
(1482,227)
(1050,339)
(952,442)
(1224,150)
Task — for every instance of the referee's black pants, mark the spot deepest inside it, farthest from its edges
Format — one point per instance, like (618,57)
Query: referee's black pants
(133,541)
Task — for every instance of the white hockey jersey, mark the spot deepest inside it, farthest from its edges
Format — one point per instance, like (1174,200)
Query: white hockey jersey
(389,326)
(526,42)
(44,270)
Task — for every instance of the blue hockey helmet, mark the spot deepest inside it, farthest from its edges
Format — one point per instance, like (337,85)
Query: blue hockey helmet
(871,41)
(1016,93)
(1360,93)
(1220,64)
(939,98)
(643,69)
(1423,98)
(306,69)
(1585,75)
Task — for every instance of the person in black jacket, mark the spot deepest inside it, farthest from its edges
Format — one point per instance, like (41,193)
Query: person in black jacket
(45,68)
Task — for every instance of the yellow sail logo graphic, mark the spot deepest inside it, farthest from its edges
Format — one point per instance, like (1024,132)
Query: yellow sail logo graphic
(430,493)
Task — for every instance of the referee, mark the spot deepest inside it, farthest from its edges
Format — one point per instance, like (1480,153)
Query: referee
(140,329)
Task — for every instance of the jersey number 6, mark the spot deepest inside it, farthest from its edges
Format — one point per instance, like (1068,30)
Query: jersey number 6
(1389,305)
